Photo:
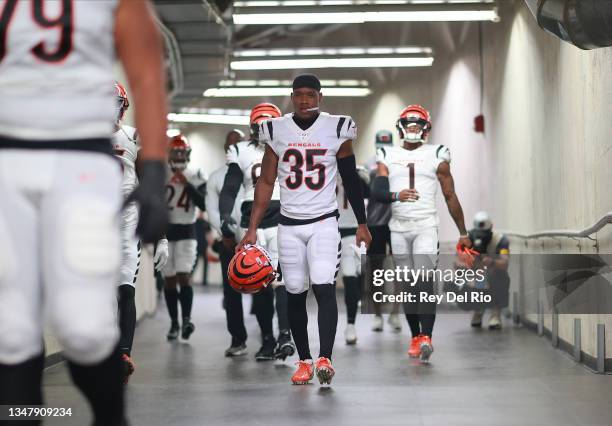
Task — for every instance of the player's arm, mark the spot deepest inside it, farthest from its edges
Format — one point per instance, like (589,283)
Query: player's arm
(139,47)
(364,177)
(197,195)
(212,206)
(381,188)
(502,258)
(263,194)
(380,185)
(447,184)
(227,198)
(347,166)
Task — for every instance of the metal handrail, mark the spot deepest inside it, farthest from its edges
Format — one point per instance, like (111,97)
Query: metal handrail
(585,233)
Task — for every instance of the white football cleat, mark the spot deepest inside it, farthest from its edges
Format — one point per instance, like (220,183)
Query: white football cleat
(395,322)
(378,323)
(350,335)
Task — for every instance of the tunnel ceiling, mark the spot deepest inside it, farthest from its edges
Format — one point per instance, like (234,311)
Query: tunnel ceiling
(200,40)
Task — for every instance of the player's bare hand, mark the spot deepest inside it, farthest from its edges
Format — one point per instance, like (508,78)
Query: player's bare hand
(408,195)
(363,236)
(250,238)
(465,241)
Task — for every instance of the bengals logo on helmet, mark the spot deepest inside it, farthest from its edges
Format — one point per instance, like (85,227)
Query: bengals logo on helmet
(250,270)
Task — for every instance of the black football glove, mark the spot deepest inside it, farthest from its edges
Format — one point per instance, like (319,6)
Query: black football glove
(150,196)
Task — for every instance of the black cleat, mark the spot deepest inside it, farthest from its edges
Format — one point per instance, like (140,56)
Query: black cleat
(266,352)
(285,347)
(237,349)
(188,328)
(174,331)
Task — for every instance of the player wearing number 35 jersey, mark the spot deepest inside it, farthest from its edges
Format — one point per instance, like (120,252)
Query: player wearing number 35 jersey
(307,150)
(408,177)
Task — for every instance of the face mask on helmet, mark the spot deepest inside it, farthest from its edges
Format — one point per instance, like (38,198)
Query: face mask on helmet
(413,129)
(179,158)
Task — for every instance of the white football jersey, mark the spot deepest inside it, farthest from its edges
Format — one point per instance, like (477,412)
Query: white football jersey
(213,190)
(307,165)
(347,217)
(181,208)
(125,147)
(248,156)
(415,169)
(56,69)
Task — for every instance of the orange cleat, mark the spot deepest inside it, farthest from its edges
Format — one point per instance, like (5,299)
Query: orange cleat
(128,368)
(415,346)
(325,371)
(304,373)
(426,348)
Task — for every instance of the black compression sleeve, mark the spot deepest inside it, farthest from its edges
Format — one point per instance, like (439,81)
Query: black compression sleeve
(229,192)
(197,195)
(352,186)
(380,190)
(365,188)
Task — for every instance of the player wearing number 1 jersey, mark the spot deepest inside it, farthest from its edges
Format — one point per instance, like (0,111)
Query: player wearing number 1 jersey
(408,177)
(244,166)
(61,187)
(185,190)
(306,150)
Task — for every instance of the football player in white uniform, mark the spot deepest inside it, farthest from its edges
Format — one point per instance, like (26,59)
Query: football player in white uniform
(408,177)
(306,150)
(232,300)
(185,190)
(244,166)
(126,148)
(61,187)
(350,261)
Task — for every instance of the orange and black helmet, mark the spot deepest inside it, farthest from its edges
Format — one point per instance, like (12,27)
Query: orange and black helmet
(259,113)
(179,152)
(251,270)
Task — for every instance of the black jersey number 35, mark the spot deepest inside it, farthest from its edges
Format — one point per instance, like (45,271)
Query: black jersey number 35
(61,23)
(295,181)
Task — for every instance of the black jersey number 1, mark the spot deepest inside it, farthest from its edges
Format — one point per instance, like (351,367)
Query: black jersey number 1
(63,23)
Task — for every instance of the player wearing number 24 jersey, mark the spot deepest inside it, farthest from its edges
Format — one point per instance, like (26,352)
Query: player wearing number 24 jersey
(306,150)
(408,177)
(185,191)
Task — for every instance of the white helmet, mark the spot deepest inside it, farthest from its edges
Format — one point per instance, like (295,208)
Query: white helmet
(482,221)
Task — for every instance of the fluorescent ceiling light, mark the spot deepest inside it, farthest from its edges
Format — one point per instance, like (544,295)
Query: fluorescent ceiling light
(274,3)
(363,62)
(362,17)
(239,120)
(335,51)
(288,83)
(240,92)
(359,12)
